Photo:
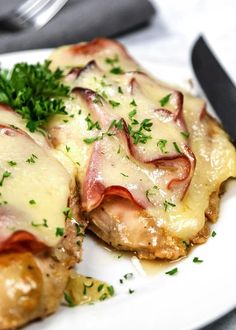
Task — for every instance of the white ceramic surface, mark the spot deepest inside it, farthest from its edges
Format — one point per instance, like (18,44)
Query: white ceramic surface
(194,297)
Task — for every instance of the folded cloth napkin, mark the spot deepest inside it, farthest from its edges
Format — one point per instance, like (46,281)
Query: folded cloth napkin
(79,20)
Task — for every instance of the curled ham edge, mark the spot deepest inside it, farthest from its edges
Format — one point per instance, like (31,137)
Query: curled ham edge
(20,240)
(94,191)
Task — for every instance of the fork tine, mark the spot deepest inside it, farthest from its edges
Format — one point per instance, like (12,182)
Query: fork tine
(48,12)
(32,9)
(27,6)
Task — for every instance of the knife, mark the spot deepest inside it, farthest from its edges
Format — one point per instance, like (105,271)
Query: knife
(216,84)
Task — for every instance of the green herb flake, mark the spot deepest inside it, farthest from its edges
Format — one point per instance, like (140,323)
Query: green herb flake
(67,212)
(165,100)
(161,144)
(213,234)
(91,140)
(43,224)
(11,163)
(125,175)
(100,287)
(90,124)
(114,104)
(5,175)
(32,202)
(128,276)
(167,205)
(172,271)
(59,231)
(197,260)
(69,299)
(132,114)
(133,103)
(111,290)
(67,148)
(31,159)
(138,135)
(131,291)
(112,61)
(120,90)
(185,134)
(177,148)
(116,70)
(104,296)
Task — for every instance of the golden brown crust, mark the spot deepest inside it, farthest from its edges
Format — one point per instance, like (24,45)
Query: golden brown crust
(37,282)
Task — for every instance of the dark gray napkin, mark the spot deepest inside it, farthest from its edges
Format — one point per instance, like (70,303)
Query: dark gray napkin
(79,20)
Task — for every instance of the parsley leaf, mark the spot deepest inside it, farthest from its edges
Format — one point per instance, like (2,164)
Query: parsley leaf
(197,260)
(59,231)
(165,100)
(5,175)
(24,89)
(116,70)
(172,271)
(167,205)
(91,124)
(11,163)
(162,144)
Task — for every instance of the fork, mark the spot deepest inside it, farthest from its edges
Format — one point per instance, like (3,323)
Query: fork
(31,14)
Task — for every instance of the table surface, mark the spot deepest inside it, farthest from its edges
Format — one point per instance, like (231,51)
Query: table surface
(169,40)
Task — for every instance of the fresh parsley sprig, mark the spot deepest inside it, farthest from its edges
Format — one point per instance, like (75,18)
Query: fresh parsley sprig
(34,91)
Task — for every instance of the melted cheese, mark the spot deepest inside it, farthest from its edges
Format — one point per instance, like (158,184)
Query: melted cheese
(41,179)
(215,155)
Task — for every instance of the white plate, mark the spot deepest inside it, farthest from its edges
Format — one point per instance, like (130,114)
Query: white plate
(194,297)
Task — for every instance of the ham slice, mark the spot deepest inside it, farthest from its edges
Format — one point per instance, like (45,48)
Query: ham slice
(178,167)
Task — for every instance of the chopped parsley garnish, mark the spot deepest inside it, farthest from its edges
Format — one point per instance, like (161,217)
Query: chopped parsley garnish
(168,204)
(139,136)
(151,192)
(172,271)
(11,163)
(97,99)
(165,100)
(91,125)
(114,104)
(104,296)
(185,134)
(117,124)
(24,89)
(161,144)
(69,299)
(92,140)
(132,114)
(43,224)
(32,202)
(133,103)
(213,234)
(125,175)
(131,291)
(100,287)
(67,148)
(59,231)
(197,260)
(67,212)
(111,290)
(186,244)
(116,70)
(5,175)
(120,90)
(31,159)
(128,276)
(176,147)
(112,61)
(119,256)
(118,151)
